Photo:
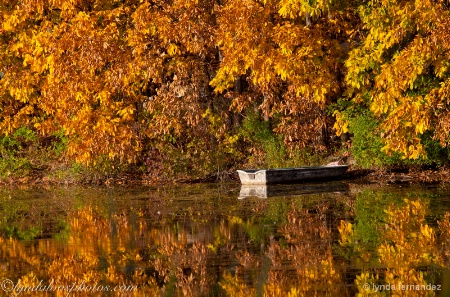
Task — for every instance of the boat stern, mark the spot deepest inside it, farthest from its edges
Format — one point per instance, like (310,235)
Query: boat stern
(252,177)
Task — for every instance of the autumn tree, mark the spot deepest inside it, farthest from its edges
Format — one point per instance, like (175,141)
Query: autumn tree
(400,71)
(111,75)
(124,81)
(65,65)
(175,57)
(290,53)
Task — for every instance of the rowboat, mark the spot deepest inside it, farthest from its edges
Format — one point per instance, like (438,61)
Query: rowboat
(290,175)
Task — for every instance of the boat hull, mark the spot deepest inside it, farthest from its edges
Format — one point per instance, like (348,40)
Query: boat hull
(290,175)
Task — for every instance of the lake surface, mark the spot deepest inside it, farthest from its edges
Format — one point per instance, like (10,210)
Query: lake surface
(333,239)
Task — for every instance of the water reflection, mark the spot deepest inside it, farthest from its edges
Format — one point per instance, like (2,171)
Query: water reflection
(202,241)
(265,191)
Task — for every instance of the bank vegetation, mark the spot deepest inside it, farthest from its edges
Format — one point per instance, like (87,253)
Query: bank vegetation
(189,89)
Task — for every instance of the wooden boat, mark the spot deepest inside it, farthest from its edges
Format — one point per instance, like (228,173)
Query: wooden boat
(290,175)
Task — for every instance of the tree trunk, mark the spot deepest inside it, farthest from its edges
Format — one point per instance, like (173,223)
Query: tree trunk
(265,112)
(308,19)
(238,89)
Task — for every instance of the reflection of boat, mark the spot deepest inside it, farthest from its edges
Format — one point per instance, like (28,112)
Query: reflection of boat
(265,191)
(290,175)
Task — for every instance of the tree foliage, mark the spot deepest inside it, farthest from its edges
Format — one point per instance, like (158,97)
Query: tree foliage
(290,52)
(402,64)
(123,78)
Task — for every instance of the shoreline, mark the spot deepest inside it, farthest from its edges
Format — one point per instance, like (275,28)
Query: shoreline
(369,176)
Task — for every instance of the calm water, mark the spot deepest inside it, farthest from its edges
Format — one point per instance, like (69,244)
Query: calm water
(332,239)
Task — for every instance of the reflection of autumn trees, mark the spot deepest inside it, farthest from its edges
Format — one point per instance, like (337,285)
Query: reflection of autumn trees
(87,256)
(296,260)
(254,247)
(182,253)
(312,266)
(408,253)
